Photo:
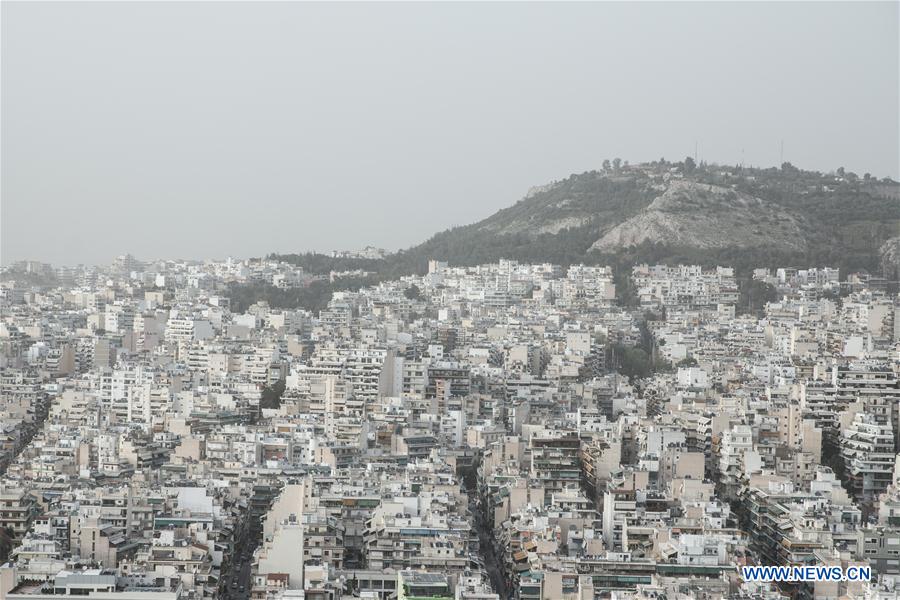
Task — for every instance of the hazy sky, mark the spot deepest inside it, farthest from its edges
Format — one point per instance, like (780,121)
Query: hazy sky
(202,130)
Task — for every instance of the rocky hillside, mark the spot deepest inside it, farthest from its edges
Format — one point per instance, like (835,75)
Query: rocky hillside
(627,210)
(581,200)
(673,212)
(890,259)
(687,213)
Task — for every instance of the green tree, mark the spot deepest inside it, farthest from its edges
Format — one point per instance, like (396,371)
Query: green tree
(632,361)
(754,294)
(689,165)
(635,363)
(412,292)
(271,395)
(7,542)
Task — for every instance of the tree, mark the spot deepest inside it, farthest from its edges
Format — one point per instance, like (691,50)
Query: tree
(840,171)
(271,395)
(412,292)
(754,295)
(634,362)
(7,542)
(689,165)
(351,586)
(606,165)
(617,162)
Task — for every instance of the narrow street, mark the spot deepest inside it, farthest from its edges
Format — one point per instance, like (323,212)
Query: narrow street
(486,547)
(488,552)
(42,410)
(236,581)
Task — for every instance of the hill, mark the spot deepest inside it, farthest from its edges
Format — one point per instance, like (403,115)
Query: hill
(664,212)
(672,212)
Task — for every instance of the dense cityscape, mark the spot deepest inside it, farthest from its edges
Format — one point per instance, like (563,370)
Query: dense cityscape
(454,300)
(499,431)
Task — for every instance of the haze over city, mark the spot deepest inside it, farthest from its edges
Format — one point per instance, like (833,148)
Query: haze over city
(450,301)
(214,129)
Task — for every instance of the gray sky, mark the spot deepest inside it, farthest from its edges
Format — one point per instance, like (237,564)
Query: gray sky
(202,130)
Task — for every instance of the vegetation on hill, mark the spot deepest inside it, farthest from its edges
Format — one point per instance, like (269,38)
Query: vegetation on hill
(596,198)
(844,219)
